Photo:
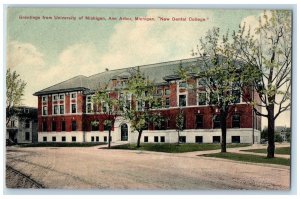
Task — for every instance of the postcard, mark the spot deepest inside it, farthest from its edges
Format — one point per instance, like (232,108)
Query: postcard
(148,99)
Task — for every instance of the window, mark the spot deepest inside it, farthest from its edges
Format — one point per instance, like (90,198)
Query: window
(61,109)
(53,139)
(236,94)
(95,126)
(199,139)
(63,126)
(45,112)
(53,125)
(162,138)
(27,124)
(93,139)
(159,92)
(73,139)
(44,126)
(236,121)
(12,123)
(89,108)
(182,139)
(216,120)
(63,138)
(235,139)
(61,96)
(97,138)
(216,139)
(182,100)
(201,99)
(73,95)
(55,109)
(145,138)
(74,128)
(155,138)
(54,97)
(44,139)
(105,138)
(106,127)
(182,84)
(167,91)
(167,102)
(199,121)
(73,108)
(44,98)
(140,105)
(27,136)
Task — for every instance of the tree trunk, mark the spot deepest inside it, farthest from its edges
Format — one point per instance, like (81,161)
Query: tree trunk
(271,132)
(109,140)
(139,139)
(178,137)
(223,129)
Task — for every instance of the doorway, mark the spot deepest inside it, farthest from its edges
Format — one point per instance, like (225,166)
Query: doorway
(124,132)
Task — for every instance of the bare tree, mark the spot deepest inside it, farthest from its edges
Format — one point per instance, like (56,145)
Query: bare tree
(267,56)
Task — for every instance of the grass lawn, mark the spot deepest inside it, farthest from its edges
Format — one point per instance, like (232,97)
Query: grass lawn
(282,150)
(62,144)
(174,148)
(250,158)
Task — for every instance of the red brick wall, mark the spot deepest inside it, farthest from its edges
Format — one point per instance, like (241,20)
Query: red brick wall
(173,95)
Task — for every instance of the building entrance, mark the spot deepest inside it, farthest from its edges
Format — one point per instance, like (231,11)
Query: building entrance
(124,132)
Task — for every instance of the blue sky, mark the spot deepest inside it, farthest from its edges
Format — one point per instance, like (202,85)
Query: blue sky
(45,52)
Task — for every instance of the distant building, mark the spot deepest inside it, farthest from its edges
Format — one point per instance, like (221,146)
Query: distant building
(65,110)
(22,127)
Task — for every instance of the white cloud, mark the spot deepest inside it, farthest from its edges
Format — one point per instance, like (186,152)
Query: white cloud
(136,43)
(24,54)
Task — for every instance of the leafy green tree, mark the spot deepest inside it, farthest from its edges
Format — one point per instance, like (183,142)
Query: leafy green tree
(15,88)
(139,112)
(110,108)
(218,72)
(267,55)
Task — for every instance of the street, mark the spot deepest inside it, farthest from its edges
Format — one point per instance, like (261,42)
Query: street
(96,168)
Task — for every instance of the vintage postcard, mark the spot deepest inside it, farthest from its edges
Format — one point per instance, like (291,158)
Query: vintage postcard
(148,99)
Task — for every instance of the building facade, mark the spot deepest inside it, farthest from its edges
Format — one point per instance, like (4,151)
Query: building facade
(23,126)
(65,110)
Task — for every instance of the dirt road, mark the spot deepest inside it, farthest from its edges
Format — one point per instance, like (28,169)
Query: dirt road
(94,168)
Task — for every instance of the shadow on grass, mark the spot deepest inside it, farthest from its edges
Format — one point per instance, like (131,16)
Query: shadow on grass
(250,158)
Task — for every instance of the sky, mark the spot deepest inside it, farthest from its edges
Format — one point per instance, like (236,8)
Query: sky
(47,51)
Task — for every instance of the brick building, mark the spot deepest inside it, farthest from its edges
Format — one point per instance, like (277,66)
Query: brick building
(65,113)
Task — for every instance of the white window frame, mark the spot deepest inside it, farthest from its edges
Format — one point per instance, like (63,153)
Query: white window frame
(91,103)
(73,103)
(43,109)
(46,98)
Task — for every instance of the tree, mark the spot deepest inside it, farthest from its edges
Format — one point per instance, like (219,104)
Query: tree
(218,72)
(139,111)
(109,108)
(15,88)
(267,57)
(179,123)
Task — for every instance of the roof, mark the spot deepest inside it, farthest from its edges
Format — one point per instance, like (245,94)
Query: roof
(155,72)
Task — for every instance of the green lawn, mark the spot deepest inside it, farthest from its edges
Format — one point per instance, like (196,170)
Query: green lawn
(250,158)
(61,144)
(174,148)
(281,150)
